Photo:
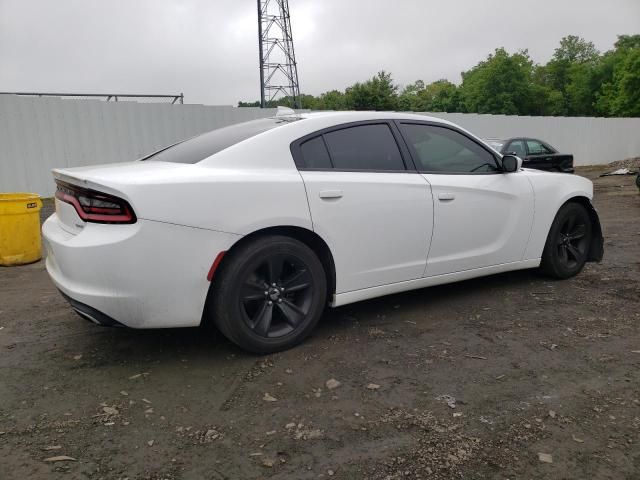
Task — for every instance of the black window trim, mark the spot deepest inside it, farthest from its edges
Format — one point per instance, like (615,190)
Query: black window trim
(405,155)
(414,154)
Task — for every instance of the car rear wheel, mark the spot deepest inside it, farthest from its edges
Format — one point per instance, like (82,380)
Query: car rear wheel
(270,294)
(568,242)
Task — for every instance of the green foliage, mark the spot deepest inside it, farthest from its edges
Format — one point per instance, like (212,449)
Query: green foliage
(500,84)
(577,81)
(620,92)
(379,93)
(439,96)
(574,49)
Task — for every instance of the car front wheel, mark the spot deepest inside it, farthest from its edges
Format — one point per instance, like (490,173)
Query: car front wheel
(270,294)
(568,242)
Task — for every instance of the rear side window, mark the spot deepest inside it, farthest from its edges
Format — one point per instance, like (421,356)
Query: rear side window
(314,154)
(198,148)
(439,149)
(364,147)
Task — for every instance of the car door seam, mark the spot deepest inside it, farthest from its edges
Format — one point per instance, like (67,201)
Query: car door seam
(433,224)
(533,218)
(306,192)
(190,226)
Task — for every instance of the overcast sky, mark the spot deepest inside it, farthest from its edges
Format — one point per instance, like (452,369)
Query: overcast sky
(208,48)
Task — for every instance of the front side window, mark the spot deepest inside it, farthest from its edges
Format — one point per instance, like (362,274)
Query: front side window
(364,147)
(537,148)
(517,148)
(440,149)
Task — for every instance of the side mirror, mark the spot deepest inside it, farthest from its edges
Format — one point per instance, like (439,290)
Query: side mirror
(511,163)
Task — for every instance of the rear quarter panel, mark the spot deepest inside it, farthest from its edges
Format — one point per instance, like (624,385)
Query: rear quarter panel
(237,201)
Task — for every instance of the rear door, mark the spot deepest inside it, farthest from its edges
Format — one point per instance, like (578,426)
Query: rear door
(482,216)
(374,210)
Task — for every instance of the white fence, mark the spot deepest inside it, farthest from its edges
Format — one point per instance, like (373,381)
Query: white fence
(38,134)
(592,141)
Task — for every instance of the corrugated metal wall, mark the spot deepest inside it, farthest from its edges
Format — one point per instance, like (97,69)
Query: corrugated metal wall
(38,134)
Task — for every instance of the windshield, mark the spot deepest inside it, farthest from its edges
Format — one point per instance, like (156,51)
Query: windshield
(203,146)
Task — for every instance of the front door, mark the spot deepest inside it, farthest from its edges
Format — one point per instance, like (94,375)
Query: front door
(482,217)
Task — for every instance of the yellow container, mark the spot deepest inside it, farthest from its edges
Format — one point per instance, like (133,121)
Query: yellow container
(20,228)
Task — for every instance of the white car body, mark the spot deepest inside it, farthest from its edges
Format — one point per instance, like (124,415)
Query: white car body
(386,232)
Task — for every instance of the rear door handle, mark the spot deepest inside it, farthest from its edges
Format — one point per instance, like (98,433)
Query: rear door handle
(446,197)
(330,193)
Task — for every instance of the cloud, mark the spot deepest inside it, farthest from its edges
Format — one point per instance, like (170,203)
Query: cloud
(208,50)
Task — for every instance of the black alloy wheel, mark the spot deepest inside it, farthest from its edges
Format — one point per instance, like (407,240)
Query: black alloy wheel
(568,242)
(268,294)
(276,296)
(572,241)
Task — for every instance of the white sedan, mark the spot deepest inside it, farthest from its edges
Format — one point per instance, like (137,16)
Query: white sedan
(256,227)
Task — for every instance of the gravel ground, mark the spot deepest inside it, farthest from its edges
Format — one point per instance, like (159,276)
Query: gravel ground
(510,376)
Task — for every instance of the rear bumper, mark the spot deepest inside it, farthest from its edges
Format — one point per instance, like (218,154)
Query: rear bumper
(90,313)
(145,275)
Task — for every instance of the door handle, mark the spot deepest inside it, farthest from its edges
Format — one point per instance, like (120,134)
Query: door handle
(446,197)
(330,193)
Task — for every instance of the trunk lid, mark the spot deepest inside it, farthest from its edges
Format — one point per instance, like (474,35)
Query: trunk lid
(112,179)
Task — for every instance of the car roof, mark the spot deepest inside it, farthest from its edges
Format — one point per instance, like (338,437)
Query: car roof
(273,143)
(519,138)
(356,116)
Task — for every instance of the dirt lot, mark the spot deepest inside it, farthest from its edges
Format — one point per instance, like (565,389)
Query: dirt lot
(531,366)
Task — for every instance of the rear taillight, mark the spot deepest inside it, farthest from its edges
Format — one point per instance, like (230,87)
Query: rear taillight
(93,206)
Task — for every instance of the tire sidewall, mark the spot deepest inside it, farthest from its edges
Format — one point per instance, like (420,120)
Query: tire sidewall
(229,309)
(550,257)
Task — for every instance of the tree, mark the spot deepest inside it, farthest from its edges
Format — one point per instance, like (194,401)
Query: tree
(575,49)
(572,71)
(249,104)
(620,91)
(379,93)
(501,84)
(577,80)
(408,98)
(333,100)
(439,96)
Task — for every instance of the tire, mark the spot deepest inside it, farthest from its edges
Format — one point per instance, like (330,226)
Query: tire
(568,242)
(269,295)
(638,181)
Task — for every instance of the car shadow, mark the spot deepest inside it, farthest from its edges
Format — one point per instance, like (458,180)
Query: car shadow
(425,299)
(206,342)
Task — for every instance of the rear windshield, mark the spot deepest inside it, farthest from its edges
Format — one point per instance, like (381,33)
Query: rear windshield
(198,148)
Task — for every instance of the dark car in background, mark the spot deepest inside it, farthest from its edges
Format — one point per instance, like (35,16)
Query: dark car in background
(534,153)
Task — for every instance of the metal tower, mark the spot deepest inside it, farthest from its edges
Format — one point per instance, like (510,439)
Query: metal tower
(278,69)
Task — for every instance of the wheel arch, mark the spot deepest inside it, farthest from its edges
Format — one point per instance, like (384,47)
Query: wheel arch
(596,249)
(310,238)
